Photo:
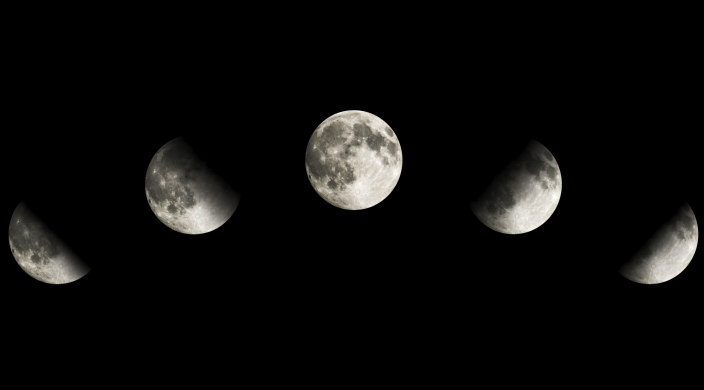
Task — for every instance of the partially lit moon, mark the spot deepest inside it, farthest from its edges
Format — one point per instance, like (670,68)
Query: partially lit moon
(524,195)
(667,253)
(184,193)
(40,252)
(353,160)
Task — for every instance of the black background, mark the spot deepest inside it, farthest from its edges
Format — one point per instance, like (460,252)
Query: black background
(616,100)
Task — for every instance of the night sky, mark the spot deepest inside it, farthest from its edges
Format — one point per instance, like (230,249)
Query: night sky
(85,113)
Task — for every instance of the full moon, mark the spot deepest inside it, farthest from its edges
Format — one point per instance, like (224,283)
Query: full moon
(524,195)
(40,252)
(353,160)
(184,193)
(667,253)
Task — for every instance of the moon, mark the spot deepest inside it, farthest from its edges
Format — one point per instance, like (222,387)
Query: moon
(524,195)
(353,160)
(40,252)
(667,253)
(184,193)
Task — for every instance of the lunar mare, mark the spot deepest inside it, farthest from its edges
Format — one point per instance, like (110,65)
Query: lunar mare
(184,193)
(40,252)
(667,253)
(524,195)
(353,160)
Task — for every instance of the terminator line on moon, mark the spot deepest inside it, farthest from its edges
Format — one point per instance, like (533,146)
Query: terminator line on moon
(667,253)
(40,252)
(524,195)
(353,160)
(184,193)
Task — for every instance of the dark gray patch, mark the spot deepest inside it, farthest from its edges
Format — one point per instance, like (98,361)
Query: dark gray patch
(502,197)
(178,155)
(491,208)
(190,174)
(355,141)
(172,209)
(389,131)
(332,135)
(332,184)
(35,259)
(551,171)
(375,142)
(361,130)
(347,175)
(534,164)
(680,234)
(638,265)
(686,219)
(385,160)
(544,184)
(314,162)
(392,148)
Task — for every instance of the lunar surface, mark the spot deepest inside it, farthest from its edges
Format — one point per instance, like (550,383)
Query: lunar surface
(353,160)
(667,253)
(184,193)
(40,252)
(524,195)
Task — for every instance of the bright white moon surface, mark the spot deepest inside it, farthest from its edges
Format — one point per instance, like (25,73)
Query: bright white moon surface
(667,253)
(524,195)
(353,160)
(40,252)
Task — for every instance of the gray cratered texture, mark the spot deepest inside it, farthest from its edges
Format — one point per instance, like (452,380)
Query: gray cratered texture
(353,160)
(667,253)
(40,252)
(524,195)
(184,193)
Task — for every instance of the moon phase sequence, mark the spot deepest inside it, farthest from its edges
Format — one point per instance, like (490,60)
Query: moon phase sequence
(667,253)
(184,193)
(524,195)
(353,160)
(40,252)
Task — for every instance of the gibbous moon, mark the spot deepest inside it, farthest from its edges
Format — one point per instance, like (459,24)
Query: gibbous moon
(667,253)
(524,195)
(353,160)
(184,193)
(40,252)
